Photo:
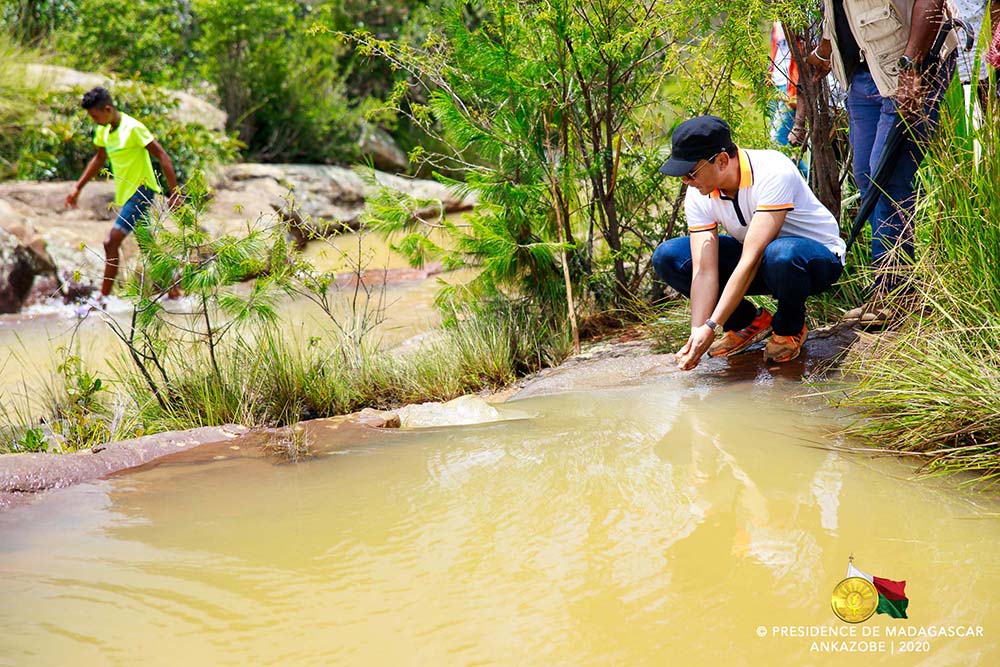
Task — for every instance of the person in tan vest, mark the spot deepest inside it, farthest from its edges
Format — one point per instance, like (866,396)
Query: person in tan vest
(879,51)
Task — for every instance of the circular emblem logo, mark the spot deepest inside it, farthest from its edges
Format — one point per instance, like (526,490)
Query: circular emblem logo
(854,600)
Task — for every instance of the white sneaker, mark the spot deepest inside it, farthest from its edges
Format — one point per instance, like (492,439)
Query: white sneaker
(92,303)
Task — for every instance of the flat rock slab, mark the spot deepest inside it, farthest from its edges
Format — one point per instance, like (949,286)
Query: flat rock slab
(22,475)
(631,363)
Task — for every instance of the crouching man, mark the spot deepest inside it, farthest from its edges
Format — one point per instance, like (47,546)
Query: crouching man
(780,240)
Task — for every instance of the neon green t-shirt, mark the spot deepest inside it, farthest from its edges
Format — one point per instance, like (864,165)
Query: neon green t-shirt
(130,163)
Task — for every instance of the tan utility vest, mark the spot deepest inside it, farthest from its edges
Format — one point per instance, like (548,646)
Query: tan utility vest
(881,28)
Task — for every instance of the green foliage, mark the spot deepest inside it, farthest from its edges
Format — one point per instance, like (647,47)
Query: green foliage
(57,142)
(283,90)
(497,238)
(76,411)
(30,22)
(81,385)
(16,97)
(148,40)
(291,96)
(932,387)
(184,257)
(80,418)
(555,115)
(504,88)
(271,379)
(220,355)
(32,440)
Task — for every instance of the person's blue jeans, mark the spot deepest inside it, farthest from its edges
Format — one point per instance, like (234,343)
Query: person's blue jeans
(134,210)
(782,119)
(870,117)
(793,269)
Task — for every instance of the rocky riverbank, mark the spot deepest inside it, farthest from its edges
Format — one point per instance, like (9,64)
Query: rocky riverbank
(616,362)
(43,244)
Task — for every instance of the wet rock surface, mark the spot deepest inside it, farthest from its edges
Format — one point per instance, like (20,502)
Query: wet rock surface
(23,257)
(629,363)
(24,474)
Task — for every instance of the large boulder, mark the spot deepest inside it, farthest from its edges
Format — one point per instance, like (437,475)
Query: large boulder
(330,199)
(378,145)
(23,256)
(73,238)
(42,199)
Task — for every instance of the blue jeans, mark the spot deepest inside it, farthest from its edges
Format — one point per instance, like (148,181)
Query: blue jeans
(782,119)
(870,117)
(134,210)
(793,268)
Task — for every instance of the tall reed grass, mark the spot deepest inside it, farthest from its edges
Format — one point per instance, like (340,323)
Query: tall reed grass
(269,378)
(932,387)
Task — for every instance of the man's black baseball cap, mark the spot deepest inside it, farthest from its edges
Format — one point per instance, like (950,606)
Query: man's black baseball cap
(695,140)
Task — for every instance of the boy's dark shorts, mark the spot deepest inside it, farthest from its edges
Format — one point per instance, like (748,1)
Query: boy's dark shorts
(134,211)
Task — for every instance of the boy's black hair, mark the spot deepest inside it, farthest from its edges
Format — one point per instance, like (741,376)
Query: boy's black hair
(97,98)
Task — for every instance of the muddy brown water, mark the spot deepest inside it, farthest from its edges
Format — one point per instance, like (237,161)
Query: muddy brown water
(619,513)
(683,521)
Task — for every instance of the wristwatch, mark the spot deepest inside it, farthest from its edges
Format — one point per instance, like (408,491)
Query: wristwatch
(717,328)
(907,64)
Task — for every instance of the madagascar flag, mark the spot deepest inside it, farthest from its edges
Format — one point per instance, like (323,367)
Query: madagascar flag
(891,594)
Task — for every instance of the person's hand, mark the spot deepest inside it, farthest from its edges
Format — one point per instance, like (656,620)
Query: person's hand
(175,200)
(910,96)
(72,197)
(820,67)
(697,344)
(796,136)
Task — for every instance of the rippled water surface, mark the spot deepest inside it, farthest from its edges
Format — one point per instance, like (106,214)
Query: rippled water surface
(655,525)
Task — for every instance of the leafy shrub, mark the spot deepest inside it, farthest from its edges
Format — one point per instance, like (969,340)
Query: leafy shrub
(32,21)
(149,40)
(291,94)
(16,98)
(282,88)
(33,440)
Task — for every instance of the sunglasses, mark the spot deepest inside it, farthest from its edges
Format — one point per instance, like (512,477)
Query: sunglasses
(691,174)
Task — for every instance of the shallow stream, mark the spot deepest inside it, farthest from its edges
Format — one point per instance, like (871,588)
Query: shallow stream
(696,519)
(687,521)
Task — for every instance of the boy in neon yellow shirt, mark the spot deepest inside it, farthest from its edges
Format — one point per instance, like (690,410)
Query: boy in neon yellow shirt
(129,144)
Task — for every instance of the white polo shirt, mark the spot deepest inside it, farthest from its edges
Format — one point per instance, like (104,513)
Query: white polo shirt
(769,181)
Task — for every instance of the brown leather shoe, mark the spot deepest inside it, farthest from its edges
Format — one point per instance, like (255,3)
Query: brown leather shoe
(780,348)
(734,342)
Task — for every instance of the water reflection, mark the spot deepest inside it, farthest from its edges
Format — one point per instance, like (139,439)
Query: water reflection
(630,526)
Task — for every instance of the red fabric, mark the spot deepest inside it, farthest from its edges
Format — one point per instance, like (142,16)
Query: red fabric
(993,55)
(793,67)
(892,590)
